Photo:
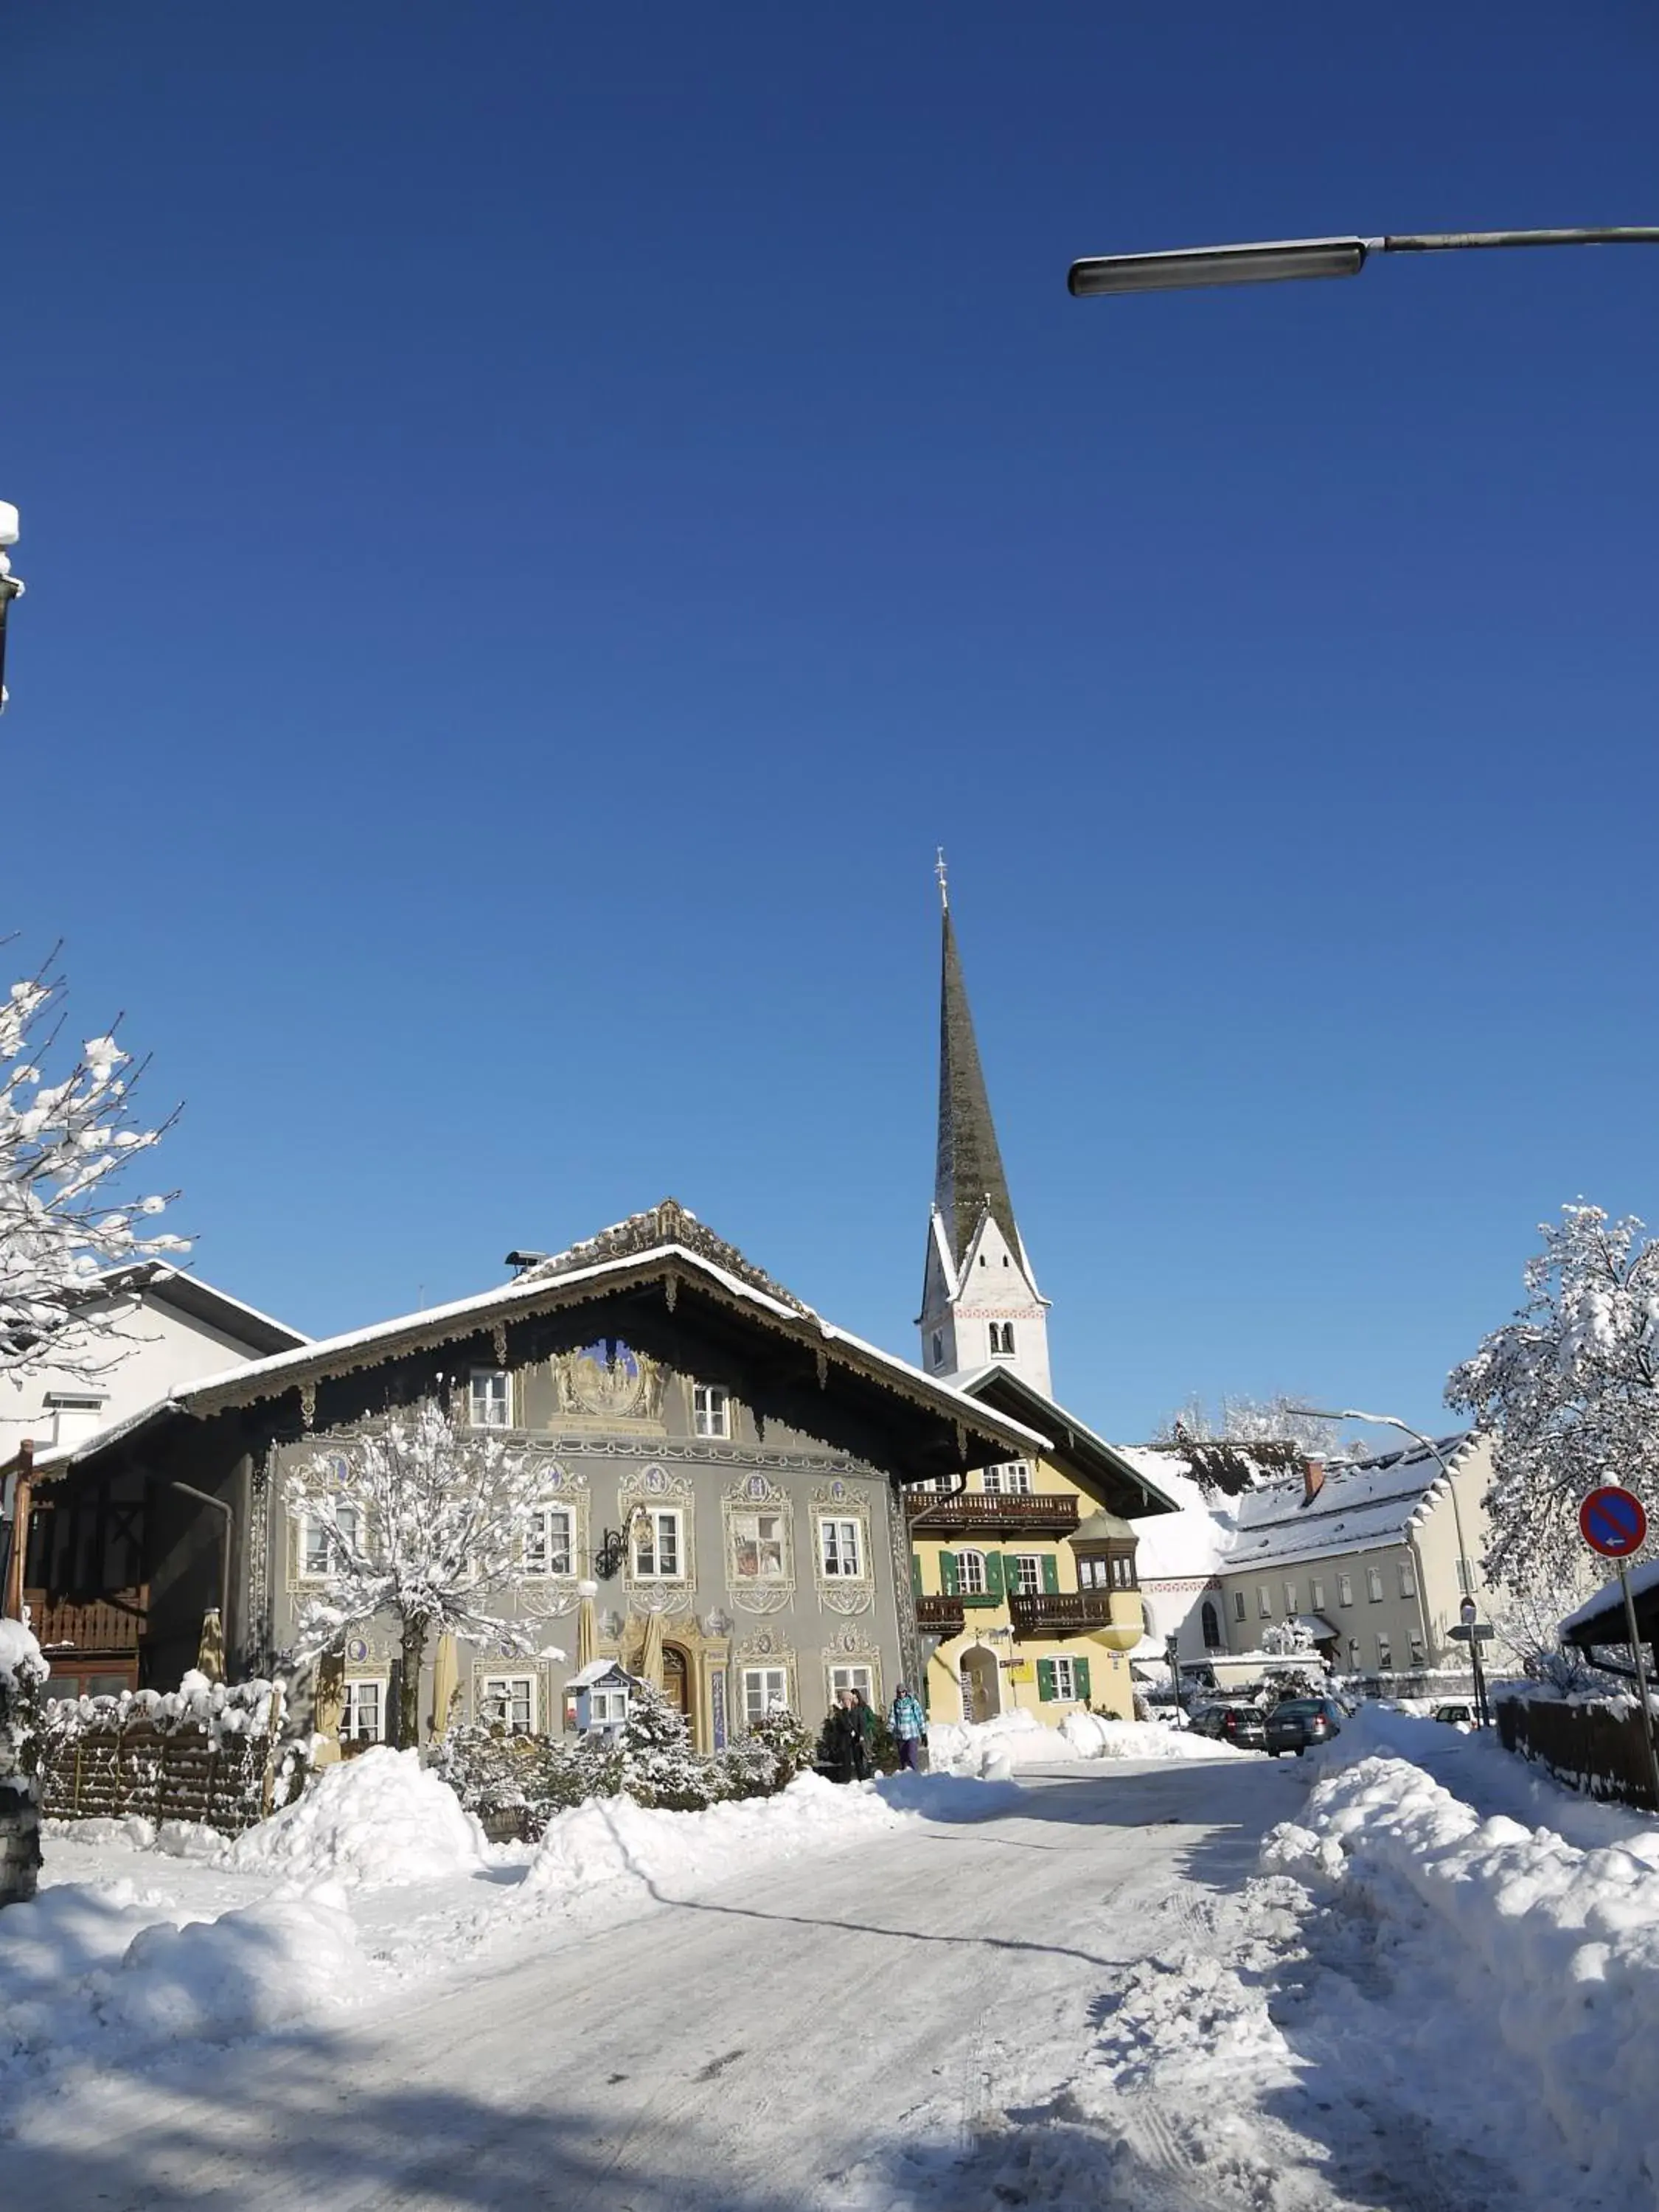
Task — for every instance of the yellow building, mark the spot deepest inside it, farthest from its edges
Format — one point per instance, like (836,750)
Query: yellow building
(1023,1574)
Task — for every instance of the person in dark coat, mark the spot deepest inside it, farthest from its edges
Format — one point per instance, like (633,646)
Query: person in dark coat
(847,1755)
(864,1763)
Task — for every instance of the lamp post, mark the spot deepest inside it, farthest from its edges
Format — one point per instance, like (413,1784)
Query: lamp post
(11,587)
(1465,1568)
(1278,261)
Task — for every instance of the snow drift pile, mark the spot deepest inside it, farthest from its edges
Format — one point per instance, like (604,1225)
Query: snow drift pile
(376,1820)
(996,1750)
(1558,1947)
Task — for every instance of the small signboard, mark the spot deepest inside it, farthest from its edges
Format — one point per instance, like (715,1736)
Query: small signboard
(1613,1522)
(1472,1631)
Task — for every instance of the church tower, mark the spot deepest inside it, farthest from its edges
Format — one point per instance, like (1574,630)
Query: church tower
(980,1302)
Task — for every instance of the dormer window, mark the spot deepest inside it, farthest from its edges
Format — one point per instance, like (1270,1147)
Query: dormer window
(1002,1339)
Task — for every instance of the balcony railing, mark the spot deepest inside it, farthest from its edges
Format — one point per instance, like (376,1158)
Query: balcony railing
(1066,1613)
(112,1623)
(944,1615)
(1012,1513)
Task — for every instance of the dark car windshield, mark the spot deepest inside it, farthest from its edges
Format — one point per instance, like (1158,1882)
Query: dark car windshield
(1300,1706)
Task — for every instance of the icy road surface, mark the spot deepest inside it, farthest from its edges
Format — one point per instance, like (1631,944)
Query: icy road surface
(1096,1998)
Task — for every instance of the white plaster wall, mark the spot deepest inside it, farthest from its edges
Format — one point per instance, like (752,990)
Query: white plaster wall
(161,1350)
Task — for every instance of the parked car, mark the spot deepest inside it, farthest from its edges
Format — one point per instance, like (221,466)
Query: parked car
(1238,1724)
(1455,1716)
(1299,1722)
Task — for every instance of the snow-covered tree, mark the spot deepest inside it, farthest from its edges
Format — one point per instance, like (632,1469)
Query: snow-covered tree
(1247,1442)
(1288,1639)
(426,1522)
(64,1144)
(1570,1390)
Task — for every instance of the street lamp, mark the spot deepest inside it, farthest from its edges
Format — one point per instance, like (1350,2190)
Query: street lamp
(11,587)
(1465,1572)
(1278,261)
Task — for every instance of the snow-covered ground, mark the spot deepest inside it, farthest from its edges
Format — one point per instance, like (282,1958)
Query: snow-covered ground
(1328,1985)
(997,1749)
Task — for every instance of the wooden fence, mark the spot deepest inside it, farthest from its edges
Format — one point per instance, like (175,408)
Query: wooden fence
(1587,1746)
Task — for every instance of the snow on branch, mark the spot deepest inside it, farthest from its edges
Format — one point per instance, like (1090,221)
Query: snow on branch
(65,1143)
(1569,1387)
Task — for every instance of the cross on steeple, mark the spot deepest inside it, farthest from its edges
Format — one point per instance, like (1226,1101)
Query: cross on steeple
(943,881)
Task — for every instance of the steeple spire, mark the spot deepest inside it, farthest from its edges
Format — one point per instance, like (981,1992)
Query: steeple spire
(980,1298)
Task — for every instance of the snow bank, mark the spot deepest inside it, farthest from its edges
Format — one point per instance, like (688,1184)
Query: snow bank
(377,1820)
(1556,1949)
(998,1748)
(612,1840)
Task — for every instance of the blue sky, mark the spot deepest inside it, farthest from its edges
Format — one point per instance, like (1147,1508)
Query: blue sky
(539,520)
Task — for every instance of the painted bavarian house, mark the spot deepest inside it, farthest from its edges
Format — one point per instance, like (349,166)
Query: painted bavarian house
(1024,1573)
(723,1476)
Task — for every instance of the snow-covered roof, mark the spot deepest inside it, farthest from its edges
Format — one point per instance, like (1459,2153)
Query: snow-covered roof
(1606,1608)
(1107,1460)
(1362,1506)
(1189,1544)
(203,1301)
(548,1286)
(596,1671)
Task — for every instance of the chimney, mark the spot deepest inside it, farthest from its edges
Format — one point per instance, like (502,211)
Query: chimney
(1313,1479)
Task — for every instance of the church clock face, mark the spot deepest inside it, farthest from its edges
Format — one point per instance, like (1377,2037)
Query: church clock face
(608,1378)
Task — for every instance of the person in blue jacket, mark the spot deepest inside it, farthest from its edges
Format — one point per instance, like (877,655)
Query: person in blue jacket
(909,1727)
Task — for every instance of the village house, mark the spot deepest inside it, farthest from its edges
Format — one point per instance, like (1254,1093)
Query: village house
(723,1478)
(1025,1575)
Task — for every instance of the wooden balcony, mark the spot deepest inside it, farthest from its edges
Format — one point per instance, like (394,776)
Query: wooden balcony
(1002,1514)
(941,1616)
(112,1623)
(1080,1613)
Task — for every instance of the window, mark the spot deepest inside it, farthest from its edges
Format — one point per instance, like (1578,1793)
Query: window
(1354,1654)
(1374,1584)
(1408,1579)
(1094,1574)
(1345,1589)
(838,1543)
(1212,1627)
(938,1347)
(757,1547)
(319,1551)
(1420,1654)
(852,1678)
(765,1690)
(657,1545)
(1238,1605)
(491,1398)
(1384,1655)
(607,1708)
(1012,1479)
(547,1541)
(508,1701)
(1064,1678)
(1002,1339)
(711,1410)
(970,1570)
(1028,1574)
(1264,1604)
(1289,1600)
(1465,1579)
(363,1711)
(1316,1597)
(1123,1571)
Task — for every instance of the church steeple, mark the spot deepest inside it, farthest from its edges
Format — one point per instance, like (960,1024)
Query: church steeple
(980,1298)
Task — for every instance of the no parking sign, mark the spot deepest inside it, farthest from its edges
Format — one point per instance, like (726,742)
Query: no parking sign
(1613,1522)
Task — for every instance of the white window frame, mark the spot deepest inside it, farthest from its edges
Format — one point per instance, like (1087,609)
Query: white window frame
(1002,1339)
(711,1412)
(1009,1478)
(1408,1579)
(1264,1603)
(311,1528)
(495,1406)
(970,1578)
(1064,1678)
(1384,1654)
(1465,1579)
(833,1529)
(538,1552)
(656,1515)
(762,1575)
(1290,1602)
(856,1674)
(1374,1585)
(770,1698)
(1028,1570)
(1241,1606)
(351,1691)
(1345,1589)
(1316,1598)
(488,1691)
(1419,1652)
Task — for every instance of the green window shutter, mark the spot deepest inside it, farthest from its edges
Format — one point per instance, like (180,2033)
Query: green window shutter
(1010,1573)
(1046,1680)
(993,1574)
(1080,1668)
(950,1580)
(1050,1572)
(915,1574)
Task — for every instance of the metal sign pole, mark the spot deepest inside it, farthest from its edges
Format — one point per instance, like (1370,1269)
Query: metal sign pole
(1641,1681)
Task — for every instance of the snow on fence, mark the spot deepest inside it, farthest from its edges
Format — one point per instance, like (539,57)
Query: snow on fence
(1596,1745)
(207,1751)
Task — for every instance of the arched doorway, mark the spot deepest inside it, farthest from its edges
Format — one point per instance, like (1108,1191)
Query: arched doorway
(1212,1627)
(981,1691)
(676,1682)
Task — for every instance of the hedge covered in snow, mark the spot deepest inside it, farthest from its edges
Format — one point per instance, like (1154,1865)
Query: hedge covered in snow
(207,1750)
(516,1783)
(22,1682)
